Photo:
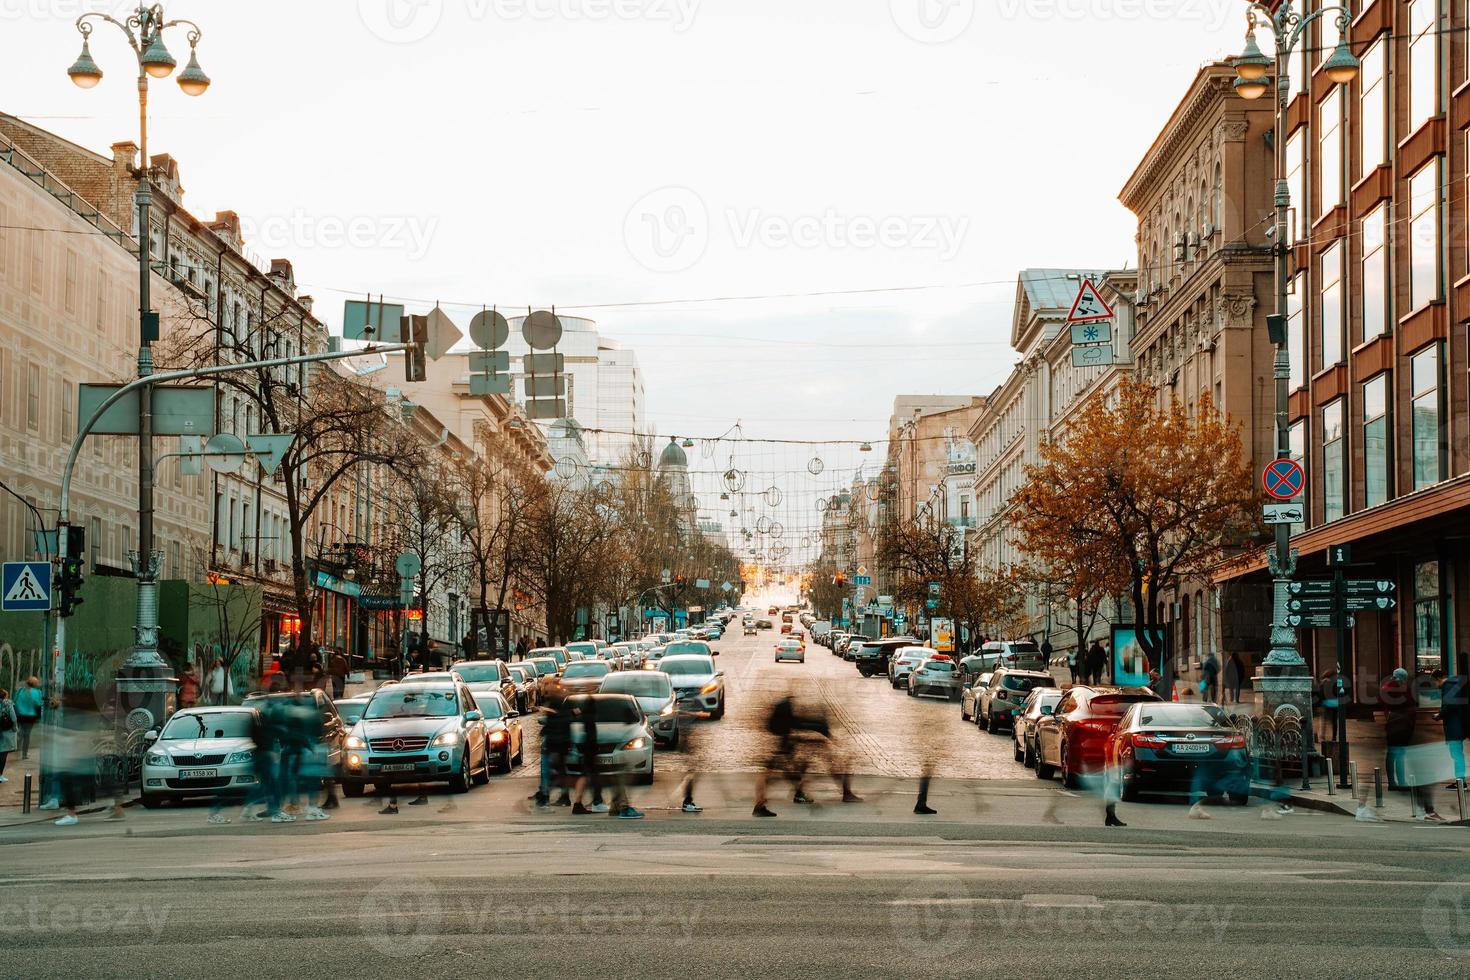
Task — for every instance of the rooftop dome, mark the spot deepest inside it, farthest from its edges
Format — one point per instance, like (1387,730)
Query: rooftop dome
(673,456)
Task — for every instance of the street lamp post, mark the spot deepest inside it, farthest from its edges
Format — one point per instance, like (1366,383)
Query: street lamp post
(144,29)
(1285,678)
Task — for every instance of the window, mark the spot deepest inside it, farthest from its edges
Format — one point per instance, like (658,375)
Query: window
(1373,107)
(1426,413)
(68,409)
(1296,73)
(1428,651)
(1329,147)
(1423,62)
(221,518)
(1334,479)
(1376,461)
(1333,318)
(1376,314)
(1296,181)
(126,534)
(175,560)
(1424,202)
(1217,208)
(94,539)
(33,396)
(1296,441)
(1296,340)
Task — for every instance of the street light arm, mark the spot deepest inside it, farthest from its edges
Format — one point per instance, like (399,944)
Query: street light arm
(86,29)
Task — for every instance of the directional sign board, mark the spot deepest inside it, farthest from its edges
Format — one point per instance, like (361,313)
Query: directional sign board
(371,321)
(1319,621)
(1367,586)
(1365,603)
(443,334)
(25,586)
(1092,333)
(1283,479)
(1089,305)
(862,580)
(1285,513)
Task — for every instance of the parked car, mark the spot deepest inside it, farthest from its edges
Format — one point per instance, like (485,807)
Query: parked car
(504,737)
(654,693)
(418,732)
(1073,738)
(934,676)
(482,674)
(902,663)
(1040,701)
(970,693)
(1166,745)
(698,686)
(200,752)
(1024,654)
(624,741)
(1008,687)
(872,657)
(790,650)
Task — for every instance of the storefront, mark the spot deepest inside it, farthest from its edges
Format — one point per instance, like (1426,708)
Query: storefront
(336,611)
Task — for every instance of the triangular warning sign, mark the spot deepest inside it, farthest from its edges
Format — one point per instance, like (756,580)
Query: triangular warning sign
(25,588)
(1089,305)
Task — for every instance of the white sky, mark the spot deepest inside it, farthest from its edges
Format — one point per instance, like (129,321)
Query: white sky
(529,151)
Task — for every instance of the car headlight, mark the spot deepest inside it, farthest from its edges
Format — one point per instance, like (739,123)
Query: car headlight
(497,737)
(446,738)
(635,745)
(710,688)
(234,758)
(158,759)
(355,742)
(667,709)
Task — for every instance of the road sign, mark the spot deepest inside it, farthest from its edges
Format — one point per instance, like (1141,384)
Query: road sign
(407,565)
(862,569)
(1285,513)
(701,583)
(490,360)
(1089,305)
(1319,621)
(1340,554)
(1312,604)
(178,410)
(666,576)
(862,580)
(269,448)
(547,408)
(1093,356)
(443,334)
(934,588)
(726,587)
(489,384)
(545,385)
(1283,479)
(377,322)
(1310,586)
(25,586)
(1367,586)
(224,452)
(931,603)
(489,329)
(541,329)
(544,363)
(1367,603)
(1092,333)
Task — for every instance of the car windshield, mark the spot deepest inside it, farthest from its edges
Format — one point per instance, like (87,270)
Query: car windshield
(638,685)
(585,649)
(544,666)
(587,668)
(521,673)
(613,711)
(686,668)
(1020,682)
(687,646)
(478,673)
(1024,647)
(490,706)
(409,702)
(210,724)
(1113,705)
(1050,697)
(351,711)
(1170,715)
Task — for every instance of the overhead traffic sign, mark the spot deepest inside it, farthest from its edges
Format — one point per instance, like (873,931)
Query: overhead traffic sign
(1089,305)
(269,449)
(1096,355)
(443,334)
(1283,479)
(25,586)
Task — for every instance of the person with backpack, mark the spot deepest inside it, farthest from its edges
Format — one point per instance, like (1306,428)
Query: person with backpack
(9,731)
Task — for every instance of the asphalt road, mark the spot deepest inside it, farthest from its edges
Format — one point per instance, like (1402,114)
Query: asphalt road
(1013,877)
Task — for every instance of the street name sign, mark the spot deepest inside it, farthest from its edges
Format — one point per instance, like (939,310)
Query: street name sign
(25,586)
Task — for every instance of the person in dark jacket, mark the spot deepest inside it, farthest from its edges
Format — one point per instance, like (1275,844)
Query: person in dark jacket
(1454,715)
(1096,661)
(1234,674)
(1401,710)
(556,741)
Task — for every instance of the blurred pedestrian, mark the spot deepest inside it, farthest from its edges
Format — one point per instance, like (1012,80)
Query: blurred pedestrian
(218,682)
(1401,709)
(189,686)
(9,731)
(789,757)
(1234,673)
(316,677)
(1211,679)
(1330,692)
(1096,660)
(1454,715)
(75,760)
(28,703)
(586,716)
(522,647)
(556,741)
(337,666)
(1073,657)
(270,739)
(921,806)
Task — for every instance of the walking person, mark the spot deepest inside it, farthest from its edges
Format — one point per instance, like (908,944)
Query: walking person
(556,741)
(218,682)
(1074,659)
(1096,660)
(1330,691)
(1401,716)
(28,703)
(586,715)
(1454,715)
(1211,680)
(9,731)
(337,666)
(522,648)
(189,686)
(1234,671)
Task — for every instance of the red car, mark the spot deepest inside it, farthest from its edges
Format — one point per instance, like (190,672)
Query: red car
(1074,737)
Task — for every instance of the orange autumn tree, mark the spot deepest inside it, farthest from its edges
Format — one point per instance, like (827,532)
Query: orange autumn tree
(1146,492)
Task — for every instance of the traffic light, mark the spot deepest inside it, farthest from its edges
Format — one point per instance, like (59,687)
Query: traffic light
(417,333)
(679,580)
(840,579)
(69,582)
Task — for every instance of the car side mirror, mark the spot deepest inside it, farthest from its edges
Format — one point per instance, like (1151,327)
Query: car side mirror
(714,653)
(152,736)
(512,714)
(473,716)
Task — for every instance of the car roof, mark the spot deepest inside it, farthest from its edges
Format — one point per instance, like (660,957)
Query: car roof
(675,657)
(212,709)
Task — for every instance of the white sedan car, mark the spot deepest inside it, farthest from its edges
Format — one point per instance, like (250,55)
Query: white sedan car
(790,650)
(200,752)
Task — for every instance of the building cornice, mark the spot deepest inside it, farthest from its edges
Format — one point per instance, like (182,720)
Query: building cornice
(1212,86)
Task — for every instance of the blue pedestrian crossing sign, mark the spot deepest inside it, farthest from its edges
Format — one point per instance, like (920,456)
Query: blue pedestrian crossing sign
(25,586)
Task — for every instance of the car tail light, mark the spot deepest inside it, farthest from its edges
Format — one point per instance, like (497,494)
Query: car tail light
(1100,725)
(1148,742)
(1231,742)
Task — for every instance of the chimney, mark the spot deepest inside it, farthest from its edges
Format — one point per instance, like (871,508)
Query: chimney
(283,275)
(166,176)
(226,224)
(125,157)
(306,302)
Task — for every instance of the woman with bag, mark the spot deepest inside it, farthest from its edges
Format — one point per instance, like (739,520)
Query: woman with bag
(9,731)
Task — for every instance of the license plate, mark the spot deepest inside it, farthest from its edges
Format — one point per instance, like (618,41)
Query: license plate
(1192,748)
(606,760)
(198,773)
(398,767)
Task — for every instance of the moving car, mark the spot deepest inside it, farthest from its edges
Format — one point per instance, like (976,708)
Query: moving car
(548,677)
(654,693)
(1008,687)
(790,650)
(200,752)
(902,664)
(1164,745)
(351,709)
(417,732)
(1074,737)
(504,738)
(483,674)
(763,624)
(698,686)
(969,694)
(559,654)
(935,676)
(624,741)
(584,677)
(587,649)
(1041,701)
(748,629)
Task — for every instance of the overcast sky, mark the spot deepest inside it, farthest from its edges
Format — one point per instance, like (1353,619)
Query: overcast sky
(610,156)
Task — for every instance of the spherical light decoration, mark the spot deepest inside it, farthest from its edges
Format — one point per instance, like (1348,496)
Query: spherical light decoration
(734,480)
(773,496)
(815,466)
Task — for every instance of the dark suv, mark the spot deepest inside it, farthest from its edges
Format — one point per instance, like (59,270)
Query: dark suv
(872,657)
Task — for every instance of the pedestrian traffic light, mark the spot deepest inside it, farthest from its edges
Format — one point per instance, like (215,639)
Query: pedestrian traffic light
(69,582)
(414,366)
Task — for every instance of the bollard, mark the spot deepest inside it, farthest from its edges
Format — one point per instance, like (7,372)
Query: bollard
(1353,774)
(1378,787)
(1331,786)
(25,794)
(1460,795)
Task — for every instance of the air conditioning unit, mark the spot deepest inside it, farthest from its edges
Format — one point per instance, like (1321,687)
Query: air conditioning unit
(1194,241)
(1209,231)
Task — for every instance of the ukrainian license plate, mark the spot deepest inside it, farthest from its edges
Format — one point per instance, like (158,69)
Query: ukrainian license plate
(606,760)
(1192,748)
(398,767)
(198,773)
